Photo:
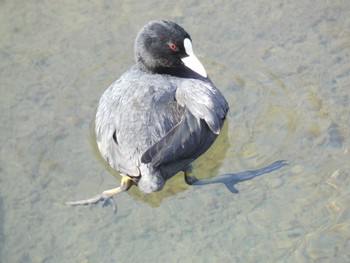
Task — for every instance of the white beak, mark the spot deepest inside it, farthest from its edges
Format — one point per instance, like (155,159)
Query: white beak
(192,61)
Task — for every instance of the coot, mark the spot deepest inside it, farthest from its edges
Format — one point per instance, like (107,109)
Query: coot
(160,115)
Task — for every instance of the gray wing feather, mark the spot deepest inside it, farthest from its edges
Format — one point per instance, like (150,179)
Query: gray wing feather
(178,144)
(106,129)
(205,111)
(204,101)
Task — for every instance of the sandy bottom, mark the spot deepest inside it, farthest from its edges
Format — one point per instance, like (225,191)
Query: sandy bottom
(283,67)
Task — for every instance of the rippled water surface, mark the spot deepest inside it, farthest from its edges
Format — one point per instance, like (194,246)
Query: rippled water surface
(284,67)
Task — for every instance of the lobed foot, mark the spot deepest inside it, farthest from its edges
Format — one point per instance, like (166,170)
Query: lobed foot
(107,196)
(103,198)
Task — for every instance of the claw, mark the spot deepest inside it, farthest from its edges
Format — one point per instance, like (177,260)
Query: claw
(110,201)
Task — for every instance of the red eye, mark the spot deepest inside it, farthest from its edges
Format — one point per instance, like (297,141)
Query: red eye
(173,47)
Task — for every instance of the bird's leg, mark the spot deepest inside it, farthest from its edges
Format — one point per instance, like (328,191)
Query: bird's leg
(107,196)
(229,180)
(125,185)
(190,179)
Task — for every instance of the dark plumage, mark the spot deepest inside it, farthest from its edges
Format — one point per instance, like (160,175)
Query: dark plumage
(160,115)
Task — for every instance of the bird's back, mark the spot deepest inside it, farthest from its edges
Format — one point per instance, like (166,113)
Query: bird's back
(134,113)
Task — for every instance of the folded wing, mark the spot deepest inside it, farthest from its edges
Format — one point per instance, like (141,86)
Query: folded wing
(205,112)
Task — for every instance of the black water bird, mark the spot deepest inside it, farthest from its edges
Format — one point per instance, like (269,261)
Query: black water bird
(160,115)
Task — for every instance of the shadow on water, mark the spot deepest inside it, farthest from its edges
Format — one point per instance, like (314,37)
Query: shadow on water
(213,161)
(229,180)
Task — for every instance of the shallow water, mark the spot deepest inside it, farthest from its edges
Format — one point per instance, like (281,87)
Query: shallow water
(284,67)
